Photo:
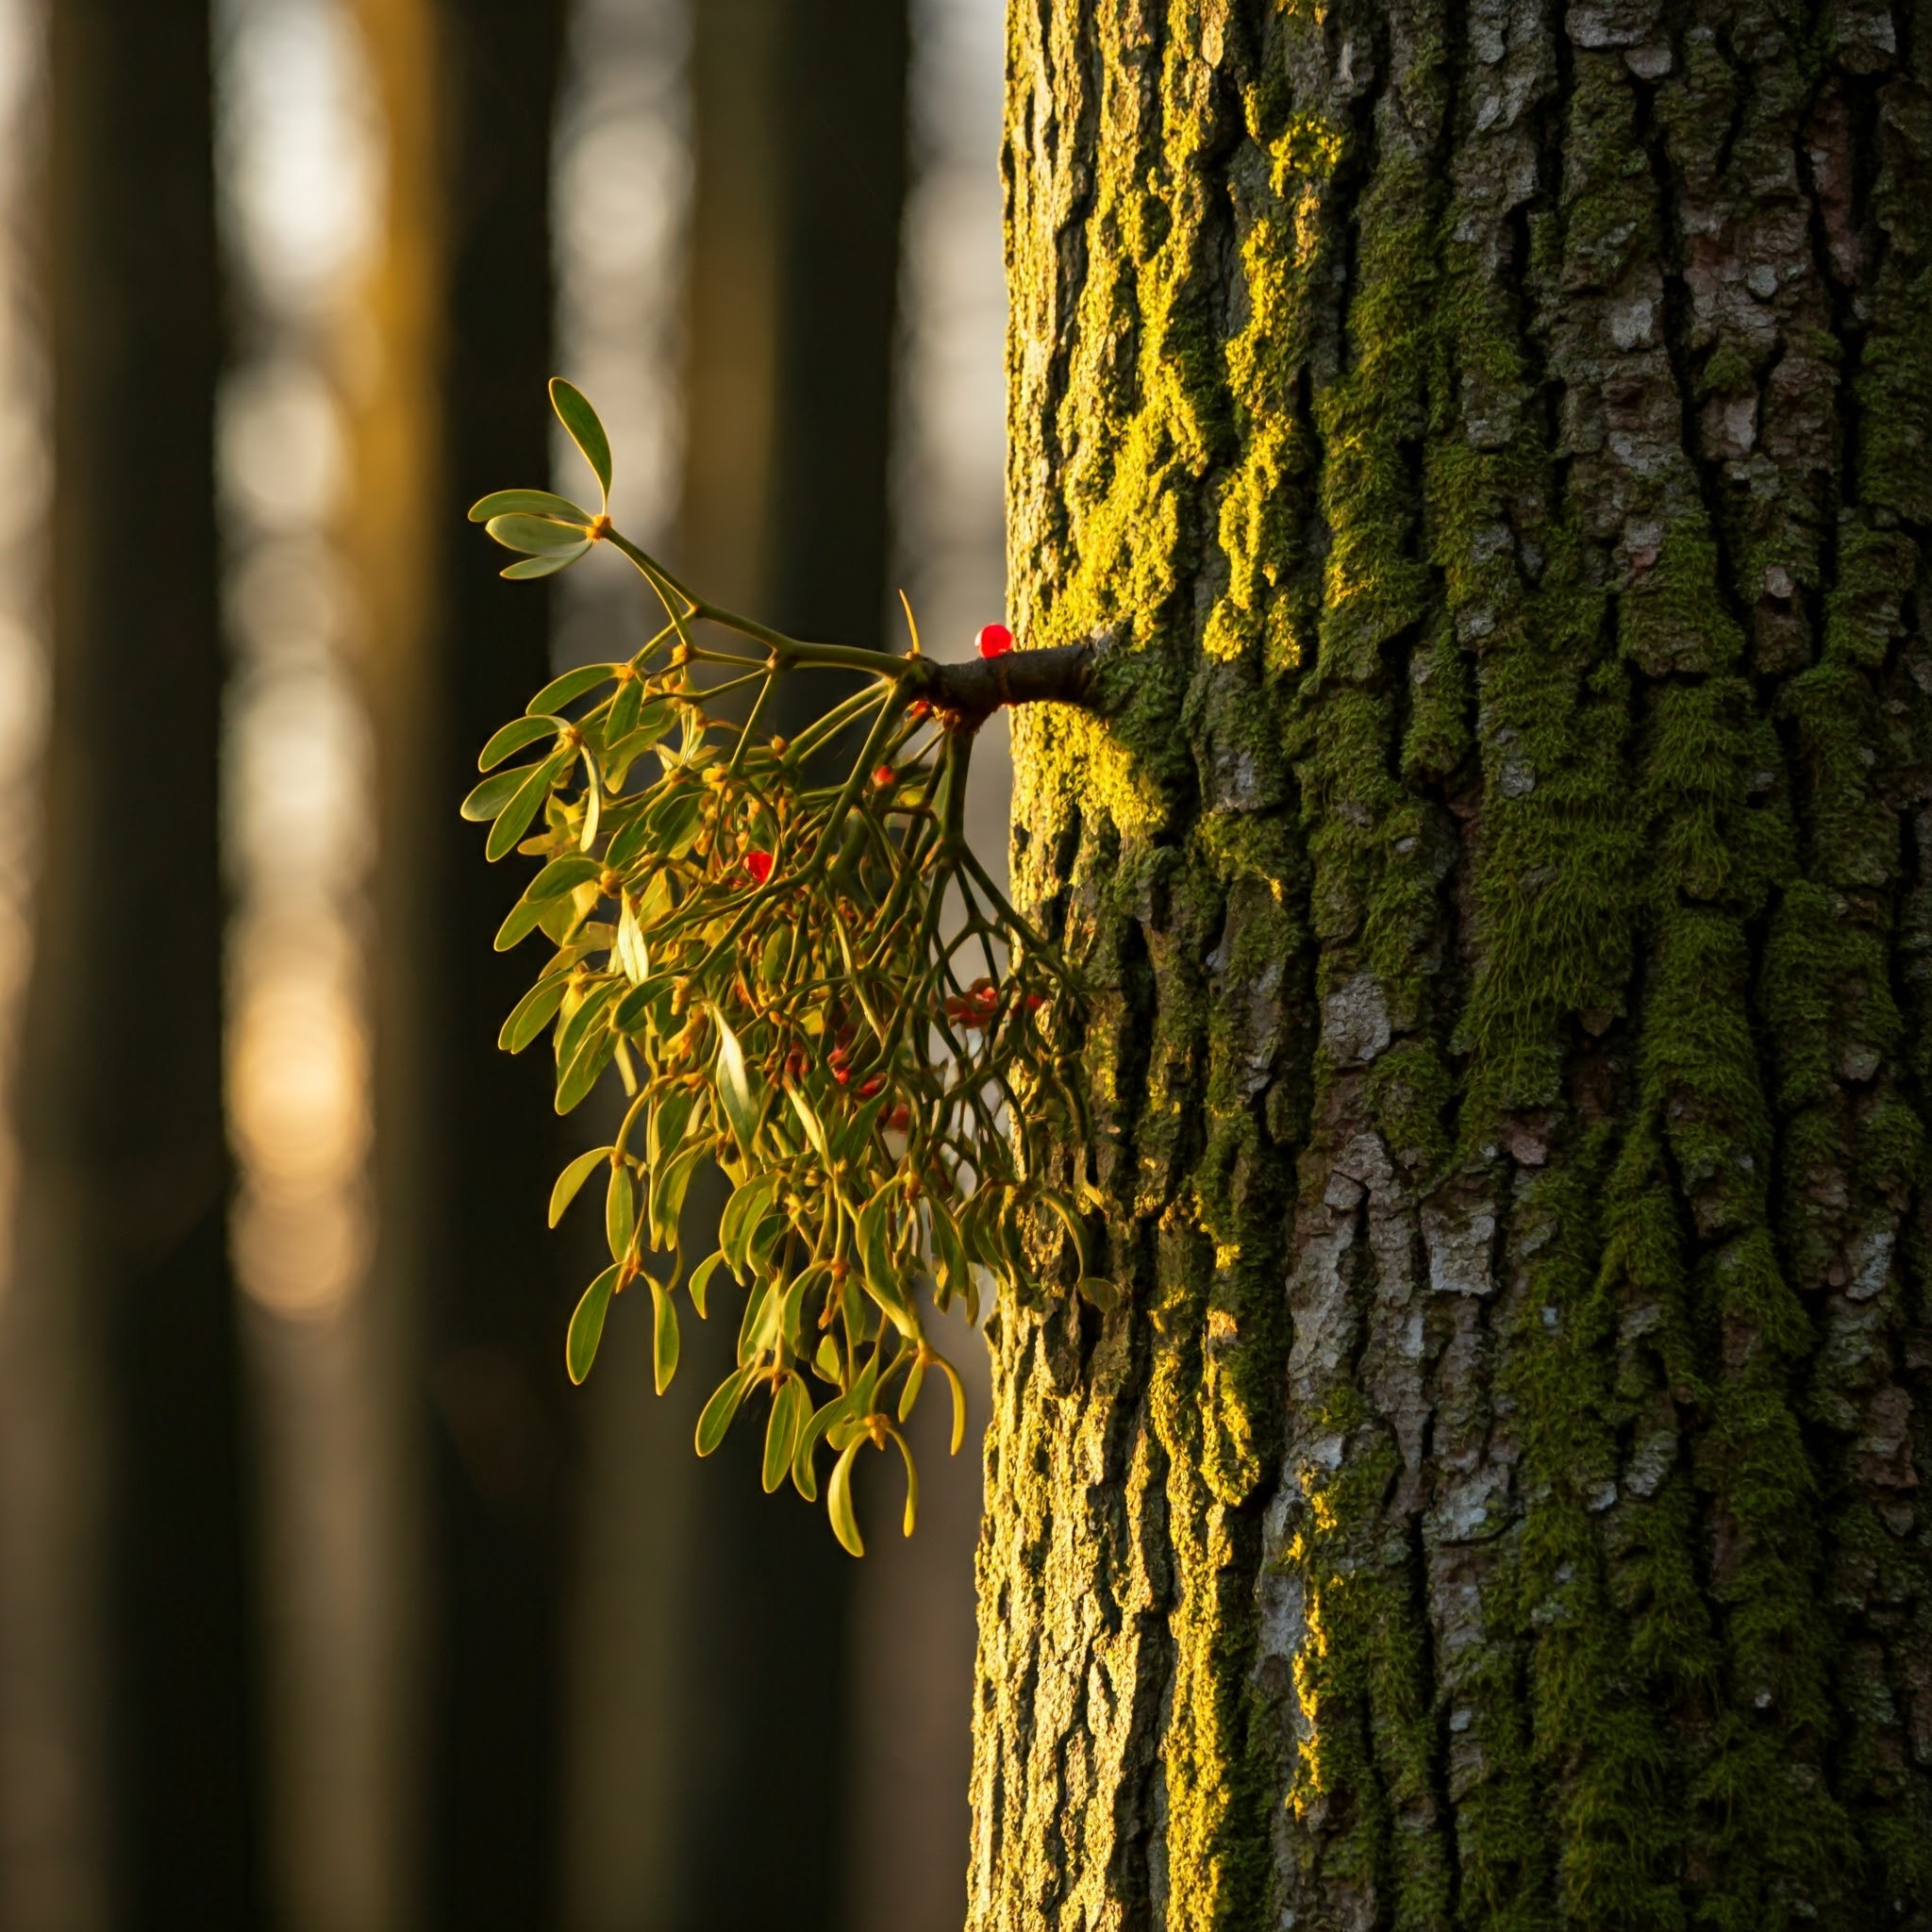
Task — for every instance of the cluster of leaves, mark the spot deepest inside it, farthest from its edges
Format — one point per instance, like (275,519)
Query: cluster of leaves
(792,962)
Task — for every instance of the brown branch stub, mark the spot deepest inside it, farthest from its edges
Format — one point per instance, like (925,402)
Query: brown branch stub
(968,693)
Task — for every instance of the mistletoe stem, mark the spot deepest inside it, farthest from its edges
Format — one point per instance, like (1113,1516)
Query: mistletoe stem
(968,693)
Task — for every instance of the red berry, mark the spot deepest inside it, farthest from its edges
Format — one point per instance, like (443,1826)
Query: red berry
(758,864)
(995,641)
(882,775)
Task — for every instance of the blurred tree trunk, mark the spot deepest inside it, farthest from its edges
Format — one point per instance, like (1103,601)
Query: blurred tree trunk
(498,1287)
(123,1259)
(1496,440)
(466,1137)
(800,133)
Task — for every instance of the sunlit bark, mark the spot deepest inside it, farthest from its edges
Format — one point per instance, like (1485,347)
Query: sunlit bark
(1494,437)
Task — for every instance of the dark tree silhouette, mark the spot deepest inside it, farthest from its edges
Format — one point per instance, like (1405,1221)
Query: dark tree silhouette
(800,146)
(125,1176)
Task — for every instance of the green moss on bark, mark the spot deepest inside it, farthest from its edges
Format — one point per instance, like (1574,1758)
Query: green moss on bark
(1486,445)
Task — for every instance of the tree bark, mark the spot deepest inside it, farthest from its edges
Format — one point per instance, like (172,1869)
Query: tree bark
(1494,439)
(122,1263)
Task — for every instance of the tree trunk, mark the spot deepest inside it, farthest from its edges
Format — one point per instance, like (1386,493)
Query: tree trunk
(800,140)
(458,350)
(499,1286)
(123,1262)
(1494,439)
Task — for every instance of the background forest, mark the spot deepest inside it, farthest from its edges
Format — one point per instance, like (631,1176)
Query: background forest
(325,1602)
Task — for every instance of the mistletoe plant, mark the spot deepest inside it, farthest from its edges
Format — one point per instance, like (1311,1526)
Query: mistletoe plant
(793,961)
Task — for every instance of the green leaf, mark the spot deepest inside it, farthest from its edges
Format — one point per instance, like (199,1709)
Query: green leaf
(742,1214)
(958,1389)
(533,1012)
(577,1028)
(638,1001)
(531,503)
(701,1282)
(543,566)
(620,1210)
(1063,1208)
(1100,1291)
(513,737)
(623,720)
(776,956)
(948,1249)
(559,877)
(735,1086)
(915,1381)
(675,829)
(654,720)
(804,1476)
(849,1142)
(629,845)
(514,819)
(874,1255)
(572,684)
(789,1411)
(581,1076)
(593,802)
(564,876)
(765,1239)
(489,799)
(722,1408)
(667,1123)
(632,954)
(573,1177)
(839,1500)
(574,412)
(535,536)
(912,1516)
(667,1196)
(759,1327)
(663,1337)
(586,1325)
(808,1120)
(520,922)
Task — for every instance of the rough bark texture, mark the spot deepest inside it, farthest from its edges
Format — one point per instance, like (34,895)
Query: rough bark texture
(1493,436)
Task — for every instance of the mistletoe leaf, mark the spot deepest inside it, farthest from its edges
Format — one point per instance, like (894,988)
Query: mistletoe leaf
(791,1409)
(735,1088)
(620,1210)
(701,1281)
(722,1409)
(533,1012)
(572,684)
(586,1325)
(545,566)
(535,536)
(514,819)
(533,503)
(574,412)
(513,737)
(572,1178)
(663,1337)
(839,1500)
